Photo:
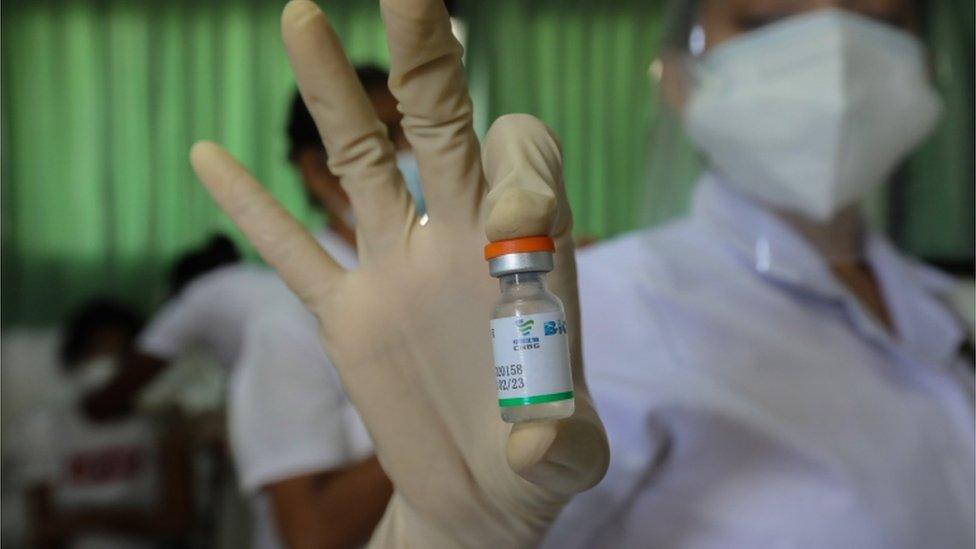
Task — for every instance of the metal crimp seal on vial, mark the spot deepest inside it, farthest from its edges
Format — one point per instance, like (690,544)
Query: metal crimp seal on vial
(531,254)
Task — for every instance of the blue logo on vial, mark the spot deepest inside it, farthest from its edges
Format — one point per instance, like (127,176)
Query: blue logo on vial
(554,327)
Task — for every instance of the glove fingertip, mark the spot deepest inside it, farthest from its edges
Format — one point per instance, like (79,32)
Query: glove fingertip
(518,212)
(297,13)
(516,137)
(523,168)
(567,456)
(528,444)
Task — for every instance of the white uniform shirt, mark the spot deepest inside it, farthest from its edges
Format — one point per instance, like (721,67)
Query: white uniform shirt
(752,402)
(288,412)
(90,465)
(210,312)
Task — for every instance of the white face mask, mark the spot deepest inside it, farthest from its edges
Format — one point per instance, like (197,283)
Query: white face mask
(94,374)
(811,113)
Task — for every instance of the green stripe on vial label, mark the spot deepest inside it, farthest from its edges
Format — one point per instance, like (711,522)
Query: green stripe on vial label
(531,355)
(525,401)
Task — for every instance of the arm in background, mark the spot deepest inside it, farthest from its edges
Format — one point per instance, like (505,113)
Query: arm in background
(331,509)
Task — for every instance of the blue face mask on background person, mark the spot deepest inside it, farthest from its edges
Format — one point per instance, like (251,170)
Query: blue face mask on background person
(811,113)
(407,165)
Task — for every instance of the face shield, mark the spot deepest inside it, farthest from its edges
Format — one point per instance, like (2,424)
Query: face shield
(673,163)
(804,116)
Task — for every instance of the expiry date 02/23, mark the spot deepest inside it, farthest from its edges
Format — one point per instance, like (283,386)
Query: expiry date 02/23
(509,376)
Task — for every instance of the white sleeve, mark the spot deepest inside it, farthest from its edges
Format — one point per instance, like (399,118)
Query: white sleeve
(288,412)
(176,327)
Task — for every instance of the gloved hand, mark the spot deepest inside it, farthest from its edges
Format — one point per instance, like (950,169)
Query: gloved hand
(408,330)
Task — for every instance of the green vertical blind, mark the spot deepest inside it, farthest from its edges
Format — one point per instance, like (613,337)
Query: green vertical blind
(581,67)
(101,102)
(103,98)
(934,202)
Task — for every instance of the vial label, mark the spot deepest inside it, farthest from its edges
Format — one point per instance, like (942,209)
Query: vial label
(531,359)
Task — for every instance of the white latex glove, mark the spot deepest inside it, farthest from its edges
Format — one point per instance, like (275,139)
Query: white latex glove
(408,330)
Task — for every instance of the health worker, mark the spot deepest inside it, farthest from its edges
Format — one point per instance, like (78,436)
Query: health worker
(771,371)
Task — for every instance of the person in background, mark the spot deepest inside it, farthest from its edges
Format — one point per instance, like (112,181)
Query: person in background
(123,481)
(307,155)
(771,371)
(301,450)
(212,293)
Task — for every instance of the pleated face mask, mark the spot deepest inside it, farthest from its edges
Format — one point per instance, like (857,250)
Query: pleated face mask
(811,113)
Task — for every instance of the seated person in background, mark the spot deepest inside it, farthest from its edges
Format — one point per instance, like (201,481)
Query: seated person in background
(300,448)
(122,481)
(212,293)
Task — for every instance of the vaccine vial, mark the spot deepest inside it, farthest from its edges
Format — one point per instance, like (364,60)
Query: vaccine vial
(529,333)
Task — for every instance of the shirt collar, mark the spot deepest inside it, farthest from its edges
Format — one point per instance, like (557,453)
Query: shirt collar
(918,302)
(769,245)
(926,329)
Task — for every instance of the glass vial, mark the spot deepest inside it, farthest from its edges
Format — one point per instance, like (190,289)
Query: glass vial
(529,334)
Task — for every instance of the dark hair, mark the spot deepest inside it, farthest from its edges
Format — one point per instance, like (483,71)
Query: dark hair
(372,77)
(219,250)
(301,130)
(96,314)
